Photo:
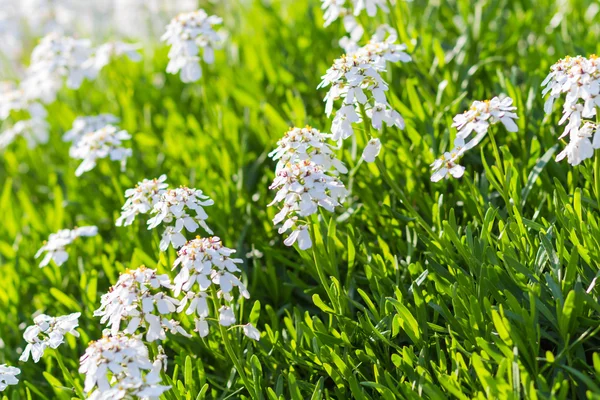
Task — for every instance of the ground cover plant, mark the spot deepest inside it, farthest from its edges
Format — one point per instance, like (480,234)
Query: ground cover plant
(304,199)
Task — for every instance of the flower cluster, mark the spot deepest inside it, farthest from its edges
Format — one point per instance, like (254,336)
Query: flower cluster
(187,34)
(355,78)
(138,300)
(53,60)
(105,142)
(179,209)
(55,247)
(174,207)
(8,376)
(141,199)
(35,129)
(301,144)
(478,118)
(48,332)
(336,8)
(85,125)
(306,178)
(119,367)
(204,262)
(578,78)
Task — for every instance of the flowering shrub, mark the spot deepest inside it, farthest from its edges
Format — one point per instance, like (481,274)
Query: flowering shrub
(48,332)
(119,367)
(338,262)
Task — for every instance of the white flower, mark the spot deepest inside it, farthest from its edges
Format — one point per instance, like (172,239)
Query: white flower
(482,114)
(141,199)
(204,263)
(226,316)
(303,187)
(84,125)
(333,9)
(578,78)
(447,165)
(137,300)
(55,59)
(118,367)
(372,150)
(187,34)
(106,52)
(12,98)
(35,131)
(105,142)
(306,179)
(251,332)
(183,207)
(301,235)
(299,144)
(48,332)
(581,147)
(370,6)
(356,79)
(55,247)
(336,8)
(8,376)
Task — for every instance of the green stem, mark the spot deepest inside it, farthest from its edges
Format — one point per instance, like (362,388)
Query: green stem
(496,151)
(318,267)
(67,374)
(597,163)
(231,352)
(365,119)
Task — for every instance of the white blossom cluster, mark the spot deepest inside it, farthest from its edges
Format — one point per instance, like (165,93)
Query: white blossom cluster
(179,210)
(96,137)
(119,367)
(578,79)
(8,376)
(59,58)
(56,59)
(340,8)
(187,34)
(308,143)
(103,143)
(23,21)
(34,130)
(56,245)
(356,79)
(84,125)
(141,199)
(334,9)
(204,262)
(478,118)
(305,179)
(138,301)
(48,332)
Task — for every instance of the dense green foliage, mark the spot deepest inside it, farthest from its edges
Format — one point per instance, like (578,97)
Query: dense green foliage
(482,287)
